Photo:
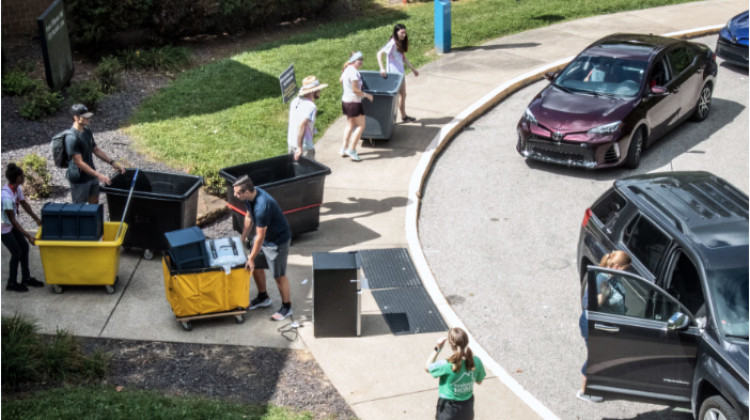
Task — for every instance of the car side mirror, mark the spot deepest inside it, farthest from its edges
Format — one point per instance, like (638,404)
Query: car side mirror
(658,90)
(678,322)
(550,75)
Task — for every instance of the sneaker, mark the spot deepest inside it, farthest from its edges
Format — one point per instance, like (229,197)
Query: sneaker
(281,313)
(353,154)
(588,398)
(408,119)
(342,152)
(260,302)
(16,287)
(32,282)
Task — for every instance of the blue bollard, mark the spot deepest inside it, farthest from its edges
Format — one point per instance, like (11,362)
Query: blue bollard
(443,26)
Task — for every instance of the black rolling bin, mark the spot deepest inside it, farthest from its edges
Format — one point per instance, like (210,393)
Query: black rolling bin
(161,202)
(296,185)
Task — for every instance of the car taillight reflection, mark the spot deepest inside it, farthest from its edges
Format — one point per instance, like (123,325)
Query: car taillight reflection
(586,216)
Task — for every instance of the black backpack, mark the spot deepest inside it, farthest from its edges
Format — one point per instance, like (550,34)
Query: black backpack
(57,147)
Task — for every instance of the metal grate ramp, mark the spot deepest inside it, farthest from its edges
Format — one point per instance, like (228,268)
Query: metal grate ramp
(399,293)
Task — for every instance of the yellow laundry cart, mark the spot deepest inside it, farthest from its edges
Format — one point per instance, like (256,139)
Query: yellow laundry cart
(83,263)
(206,292)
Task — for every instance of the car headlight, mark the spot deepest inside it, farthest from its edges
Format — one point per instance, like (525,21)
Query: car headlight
(606,128)
(529,117)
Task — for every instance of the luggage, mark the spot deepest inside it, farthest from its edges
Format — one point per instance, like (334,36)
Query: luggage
(225,252)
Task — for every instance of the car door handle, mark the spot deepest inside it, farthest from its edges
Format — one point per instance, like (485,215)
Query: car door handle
(606,328)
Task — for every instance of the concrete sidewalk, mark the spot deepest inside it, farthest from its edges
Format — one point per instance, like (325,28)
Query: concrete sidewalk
(369,204)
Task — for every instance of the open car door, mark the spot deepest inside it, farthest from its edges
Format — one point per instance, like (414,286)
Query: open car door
(643,350)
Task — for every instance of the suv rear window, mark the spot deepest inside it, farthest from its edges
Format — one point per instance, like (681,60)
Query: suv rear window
(646,242)
(608,207)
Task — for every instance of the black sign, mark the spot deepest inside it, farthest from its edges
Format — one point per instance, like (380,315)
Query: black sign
(288,84)
(58,59)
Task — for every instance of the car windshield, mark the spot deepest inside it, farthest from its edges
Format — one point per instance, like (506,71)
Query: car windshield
(729,290)
(599,75)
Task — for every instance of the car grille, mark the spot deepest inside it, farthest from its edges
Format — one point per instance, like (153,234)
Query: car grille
(559,152)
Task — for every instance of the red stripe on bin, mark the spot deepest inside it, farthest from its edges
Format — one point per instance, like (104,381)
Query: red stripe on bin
(302,208)
(244,213)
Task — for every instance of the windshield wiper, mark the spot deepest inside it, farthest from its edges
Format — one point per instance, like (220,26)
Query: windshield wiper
(597,93)
(564,89)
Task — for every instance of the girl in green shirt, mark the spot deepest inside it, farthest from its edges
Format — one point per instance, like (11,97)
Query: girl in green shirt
(457,375)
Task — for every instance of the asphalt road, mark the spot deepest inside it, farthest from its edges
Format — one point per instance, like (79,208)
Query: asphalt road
(500,235)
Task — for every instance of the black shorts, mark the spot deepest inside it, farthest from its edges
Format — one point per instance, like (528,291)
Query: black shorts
(455,410)
(352,109)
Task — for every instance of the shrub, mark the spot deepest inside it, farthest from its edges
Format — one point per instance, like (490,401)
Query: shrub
(19,356)
(109,74)
(86,92)
(162,58)
(27,357)
(212,181)
(38,178)
(17,83)
(40,102)
(93,22)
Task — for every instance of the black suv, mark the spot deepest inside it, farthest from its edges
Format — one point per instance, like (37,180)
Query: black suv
(683,340)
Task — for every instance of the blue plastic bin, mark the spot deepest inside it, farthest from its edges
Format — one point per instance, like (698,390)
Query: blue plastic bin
(187,248)
(77,222)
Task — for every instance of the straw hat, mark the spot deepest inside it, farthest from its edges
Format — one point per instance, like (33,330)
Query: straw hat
(311,84)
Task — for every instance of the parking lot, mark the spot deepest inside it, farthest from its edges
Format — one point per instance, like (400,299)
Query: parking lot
(500,236)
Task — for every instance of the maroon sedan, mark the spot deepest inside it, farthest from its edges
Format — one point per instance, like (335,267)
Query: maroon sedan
(615,99)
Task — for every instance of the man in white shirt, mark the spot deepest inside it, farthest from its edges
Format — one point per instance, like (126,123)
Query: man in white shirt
(302,111)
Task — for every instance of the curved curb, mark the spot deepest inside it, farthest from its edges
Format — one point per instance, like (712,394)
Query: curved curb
(414,202)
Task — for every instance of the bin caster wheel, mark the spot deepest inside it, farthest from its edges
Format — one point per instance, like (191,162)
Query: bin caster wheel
(57,289)
(239,319)
(148,254)
(109,289)
(186,326)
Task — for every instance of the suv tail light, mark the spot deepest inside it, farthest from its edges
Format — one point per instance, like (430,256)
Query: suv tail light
(586,216)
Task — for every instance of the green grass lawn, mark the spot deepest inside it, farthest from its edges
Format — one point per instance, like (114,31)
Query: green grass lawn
(230,112)
(107,404)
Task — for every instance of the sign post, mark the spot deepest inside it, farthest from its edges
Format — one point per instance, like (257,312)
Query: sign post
(288,84)
(58,59)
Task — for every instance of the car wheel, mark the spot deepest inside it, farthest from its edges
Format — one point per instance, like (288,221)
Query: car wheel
(635,150)
(704,103)
(717,408)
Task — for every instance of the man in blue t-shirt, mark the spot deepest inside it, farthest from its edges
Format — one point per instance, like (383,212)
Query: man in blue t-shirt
(272,236)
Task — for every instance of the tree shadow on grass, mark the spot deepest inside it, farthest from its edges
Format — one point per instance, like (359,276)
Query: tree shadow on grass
(209,89)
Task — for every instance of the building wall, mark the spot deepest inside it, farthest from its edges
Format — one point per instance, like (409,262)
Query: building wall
(19,16)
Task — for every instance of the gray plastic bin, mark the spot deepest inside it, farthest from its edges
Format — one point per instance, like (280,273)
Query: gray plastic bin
(380,114)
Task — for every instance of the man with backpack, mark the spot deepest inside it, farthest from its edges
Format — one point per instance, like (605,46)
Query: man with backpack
(80,147)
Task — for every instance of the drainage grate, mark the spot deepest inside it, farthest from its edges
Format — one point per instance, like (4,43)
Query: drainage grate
(399,293)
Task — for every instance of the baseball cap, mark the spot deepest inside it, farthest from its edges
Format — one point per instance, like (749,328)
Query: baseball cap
(81,111)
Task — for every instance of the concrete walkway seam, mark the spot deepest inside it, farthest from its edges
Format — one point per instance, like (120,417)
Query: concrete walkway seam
(416,185)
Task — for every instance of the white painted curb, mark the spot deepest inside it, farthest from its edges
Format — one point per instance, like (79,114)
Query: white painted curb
(441,139)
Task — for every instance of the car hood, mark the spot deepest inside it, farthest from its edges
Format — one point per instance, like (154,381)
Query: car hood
(565,112)
(737,29)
